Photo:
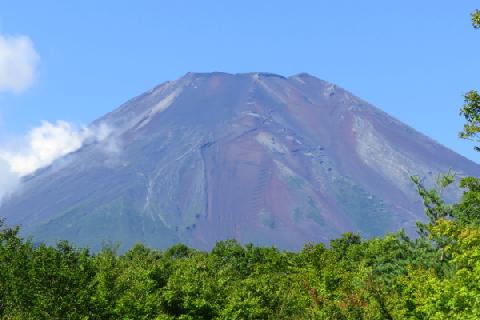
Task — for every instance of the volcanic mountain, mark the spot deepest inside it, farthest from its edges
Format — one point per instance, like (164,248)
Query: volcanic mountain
(257,157)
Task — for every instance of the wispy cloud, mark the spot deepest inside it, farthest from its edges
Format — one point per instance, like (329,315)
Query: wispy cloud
(8,180)
(42,146)
(18,63)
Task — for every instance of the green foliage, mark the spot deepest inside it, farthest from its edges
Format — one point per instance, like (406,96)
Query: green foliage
(452,295)
(434,206)
(379,278)
(476,19)
(351,280)
(471,107)
(467,211)
(471,113)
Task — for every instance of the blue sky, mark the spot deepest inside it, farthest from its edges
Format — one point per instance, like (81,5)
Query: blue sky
(413,59)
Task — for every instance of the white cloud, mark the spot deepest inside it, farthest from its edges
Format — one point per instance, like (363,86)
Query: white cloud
(47,143)
(18,63)
(42,146)
(8,180)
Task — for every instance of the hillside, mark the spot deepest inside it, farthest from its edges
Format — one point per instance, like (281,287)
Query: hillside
(257,157)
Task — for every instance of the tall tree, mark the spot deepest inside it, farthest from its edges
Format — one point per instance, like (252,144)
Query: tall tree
(471,108)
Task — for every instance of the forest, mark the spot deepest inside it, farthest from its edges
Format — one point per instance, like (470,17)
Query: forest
(433,276)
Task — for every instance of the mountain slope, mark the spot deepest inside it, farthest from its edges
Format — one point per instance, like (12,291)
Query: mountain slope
(257,157)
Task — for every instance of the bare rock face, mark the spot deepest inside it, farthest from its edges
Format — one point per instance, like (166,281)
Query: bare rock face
(256,157)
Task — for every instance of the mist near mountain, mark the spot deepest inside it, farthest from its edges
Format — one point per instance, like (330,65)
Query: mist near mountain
(257,157)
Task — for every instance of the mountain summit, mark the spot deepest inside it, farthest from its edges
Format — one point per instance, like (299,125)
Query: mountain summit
(257,157)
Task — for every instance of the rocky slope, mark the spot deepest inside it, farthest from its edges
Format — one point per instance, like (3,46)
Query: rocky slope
(257,157)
